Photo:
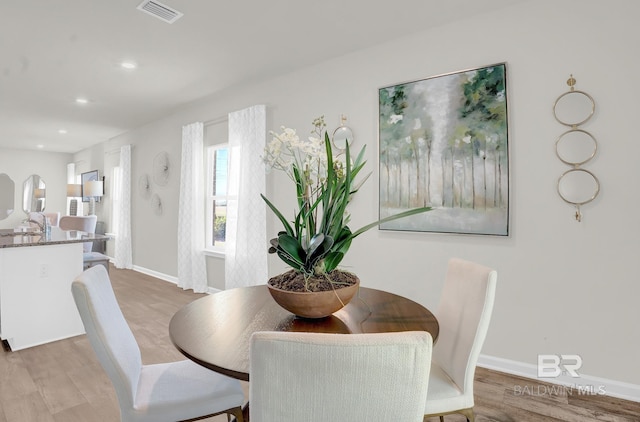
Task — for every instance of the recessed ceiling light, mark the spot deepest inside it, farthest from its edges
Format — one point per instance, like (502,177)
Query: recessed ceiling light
(128,65)
(81,100)
(39,146)
(62,131)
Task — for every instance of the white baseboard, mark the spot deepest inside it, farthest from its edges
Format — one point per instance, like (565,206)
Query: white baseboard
(169,278)
(585,384)
(156,274)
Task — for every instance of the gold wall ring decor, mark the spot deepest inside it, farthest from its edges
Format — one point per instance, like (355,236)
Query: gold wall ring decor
(575,147)
(574,107)
(573,186)
(577,187)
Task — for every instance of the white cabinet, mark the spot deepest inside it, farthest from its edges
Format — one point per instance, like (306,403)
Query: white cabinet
(36,305)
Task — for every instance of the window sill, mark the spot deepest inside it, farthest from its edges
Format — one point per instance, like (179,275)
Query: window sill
(216,254)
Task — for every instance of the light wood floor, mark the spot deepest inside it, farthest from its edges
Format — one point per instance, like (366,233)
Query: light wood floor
(63,381)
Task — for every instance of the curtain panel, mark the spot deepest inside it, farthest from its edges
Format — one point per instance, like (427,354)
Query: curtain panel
(246,237)
(192,271)
(122,210)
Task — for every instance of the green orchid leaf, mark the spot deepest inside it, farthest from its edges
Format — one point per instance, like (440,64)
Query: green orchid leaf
(343,241)
(278,214)
(315,242)
(292,247)
(332,260)
(287,259)
(391,218)
(321,250)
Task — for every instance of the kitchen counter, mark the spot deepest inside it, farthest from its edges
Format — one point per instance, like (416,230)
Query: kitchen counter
(11,239)
(36,305)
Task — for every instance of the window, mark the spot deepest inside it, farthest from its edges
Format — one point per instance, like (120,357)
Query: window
(217,196)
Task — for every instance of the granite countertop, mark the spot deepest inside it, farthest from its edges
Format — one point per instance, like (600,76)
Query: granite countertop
(11,239)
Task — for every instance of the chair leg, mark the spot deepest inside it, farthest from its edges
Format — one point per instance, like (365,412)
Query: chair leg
(468,413)
(237,412)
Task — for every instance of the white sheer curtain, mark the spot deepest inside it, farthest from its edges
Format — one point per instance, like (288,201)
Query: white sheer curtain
(121,194)
(246,237)
(192,272)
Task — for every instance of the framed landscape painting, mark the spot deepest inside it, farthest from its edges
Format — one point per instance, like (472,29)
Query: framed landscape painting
(443,143)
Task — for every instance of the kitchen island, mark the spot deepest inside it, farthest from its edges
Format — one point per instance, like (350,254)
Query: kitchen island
(36,305)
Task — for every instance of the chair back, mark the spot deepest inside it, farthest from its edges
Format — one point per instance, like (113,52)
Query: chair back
(108,332)
(81,223)
(464,313)
(315,377)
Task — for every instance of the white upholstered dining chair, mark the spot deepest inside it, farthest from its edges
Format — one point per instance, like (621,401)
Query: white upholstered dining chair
(463,313)
(165,392)
(319,377)
(85,223)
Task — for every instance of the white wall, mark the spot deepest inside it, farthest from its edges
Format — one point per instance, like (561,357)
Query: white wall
(564,287)
(51,167)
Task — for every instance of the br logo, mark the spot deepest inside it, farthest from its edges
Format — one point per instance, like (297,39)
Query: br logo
(552,366)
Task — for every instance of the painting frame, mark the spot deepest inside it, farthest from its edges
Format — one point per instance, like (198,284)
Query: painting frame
(89,176)
(443,142)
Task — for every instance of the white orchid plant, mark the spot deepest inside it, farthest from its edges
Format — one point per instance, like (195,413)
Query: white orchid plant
(318,238)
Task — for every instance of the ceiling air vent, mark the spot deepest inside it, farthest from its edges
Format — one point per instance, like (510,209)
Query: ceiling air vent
(160,11)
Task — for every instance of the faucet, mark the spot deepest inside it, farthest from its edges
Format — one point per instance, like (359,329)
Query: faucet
(42,226)
(37,223)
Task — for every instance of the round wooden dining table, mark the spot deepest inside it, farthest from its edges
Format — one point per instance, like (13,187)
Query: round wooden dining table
(215,331)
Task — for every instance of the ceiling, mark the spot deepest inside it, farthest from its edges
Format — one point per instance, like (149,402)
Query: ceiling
(53,52)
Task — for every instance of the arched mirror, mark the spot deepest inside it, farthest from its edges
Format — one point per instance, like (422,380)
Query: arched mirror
(7,195)
(34,194)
